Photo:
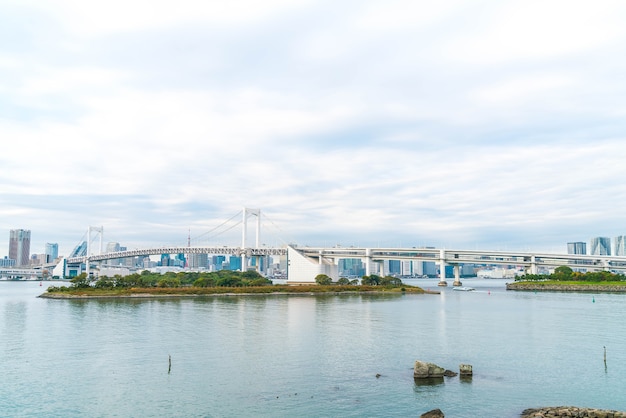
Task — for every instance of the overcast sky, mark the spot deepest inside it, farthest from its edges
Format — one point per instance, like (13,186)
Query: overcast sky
(458,124)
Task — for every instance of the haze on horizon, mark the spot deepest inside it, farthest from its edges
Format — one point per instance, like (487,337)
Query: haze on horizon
(460,124)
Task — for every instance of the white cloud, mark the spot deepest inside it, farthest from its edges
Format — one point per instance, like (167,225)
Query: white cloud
(460,123)
(519,31)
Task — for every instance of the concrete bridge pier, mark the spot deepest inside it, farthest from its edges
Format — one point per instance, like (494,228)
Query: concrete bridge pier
(368,261)
(457,276)
(442,269)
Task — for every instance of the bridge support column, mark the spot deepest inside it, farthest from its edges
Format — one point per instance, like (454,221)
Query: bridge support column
(247,212)
(533,265)
(457,276)
(442,268)
(368,262)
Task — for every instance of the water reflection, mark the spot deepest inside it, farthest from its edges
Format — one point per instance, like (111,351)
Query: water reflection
(428,381)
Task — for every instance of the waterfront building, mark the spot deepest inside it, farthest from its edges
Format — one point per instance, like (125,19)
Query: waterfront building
(19,246)
(620,245)
(600,246)
(38,259)
(576,248)
(7,262)
(52,251)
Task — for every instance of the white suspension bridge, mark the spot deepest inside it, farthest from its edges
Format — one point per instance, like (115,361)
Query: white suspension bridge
(305,263)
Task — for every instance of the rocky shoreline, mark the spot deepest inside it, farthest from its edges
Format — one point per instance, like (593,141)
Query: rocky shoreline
(571,411)
(565,287)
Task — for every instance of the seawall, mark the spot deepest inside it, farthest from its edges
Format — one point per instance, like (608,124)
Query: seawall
(538,286)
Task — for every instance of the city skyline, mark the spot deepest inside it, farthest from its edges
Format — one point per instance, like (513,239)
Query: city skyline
(491,125)
(597,246)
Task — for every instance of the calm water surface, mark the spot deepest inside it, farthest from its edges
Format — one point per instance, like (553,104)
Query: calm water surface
(299,356)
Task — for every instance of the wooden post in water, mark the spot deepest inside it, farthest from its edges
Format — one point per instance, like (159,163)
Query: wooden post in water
(169,369)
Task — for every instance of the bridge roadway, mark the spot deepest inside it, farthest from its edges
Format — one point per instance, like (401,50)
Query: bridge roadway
(479,257)
(236,251)
(531,262)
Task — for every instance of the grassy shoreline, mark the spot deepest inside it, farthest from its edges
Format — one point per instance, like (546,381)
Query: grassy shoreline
(568,286)
(226,291)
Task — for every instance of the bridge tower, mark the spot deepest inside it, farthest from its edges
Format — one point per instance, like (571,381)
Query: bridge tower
(244,253)
(99,231)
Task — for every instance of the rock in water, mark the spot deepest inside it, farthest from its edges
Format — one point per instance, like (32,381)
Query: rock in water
(465,369)
(424,370)
(435,413)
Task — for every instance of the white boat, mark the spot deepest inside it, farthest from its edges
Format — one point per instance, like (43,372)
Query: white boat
(463,288)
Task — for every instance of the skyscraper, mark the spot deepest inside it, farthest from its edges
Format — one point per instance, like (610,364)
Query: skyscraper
(19,246)
(576,248)
(600,246)
(52,252)
(620,245)
(113,247)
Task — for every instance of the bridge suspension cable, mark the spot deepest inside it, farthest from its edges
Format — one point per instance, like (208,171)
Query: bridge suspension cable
(238,214)
(264,216)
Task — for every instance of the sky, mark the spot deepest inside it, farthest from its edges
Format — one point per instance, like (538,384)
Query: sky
(493,125)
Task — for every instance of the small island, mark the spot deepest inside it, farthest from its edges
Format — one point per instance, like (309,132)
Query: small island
(564,279)
(223,282)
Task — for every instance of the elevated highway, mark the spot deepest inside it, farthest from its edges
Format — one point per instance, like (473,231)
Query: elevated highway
(304,263)
(532,263)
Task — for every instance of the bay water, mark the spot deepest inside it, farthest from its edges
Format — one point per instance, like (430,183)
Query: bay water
(309,355)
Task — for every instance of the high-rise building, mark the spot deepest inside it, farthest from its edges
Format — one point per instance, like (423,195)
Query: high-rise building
(52,251)
(113,247)
(218,261)
(234,263)
(19,246)
(600,246)
(394,267)
(620,245)
(577,248)
(197,261)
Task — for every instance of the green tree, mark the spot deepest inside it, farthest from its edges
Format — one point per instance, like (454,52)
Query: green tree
(343,281)
(169,282)
(81,281)
(562,273)
(204,282)
(251,275)
(371,280)
(323,279)
(104,282)
(390,281)
(229,281)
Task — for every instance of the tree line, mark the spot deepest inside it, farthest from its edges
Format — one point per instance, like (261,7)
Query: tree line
(147,279)
(371,280)
(221,278)
(565,273)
